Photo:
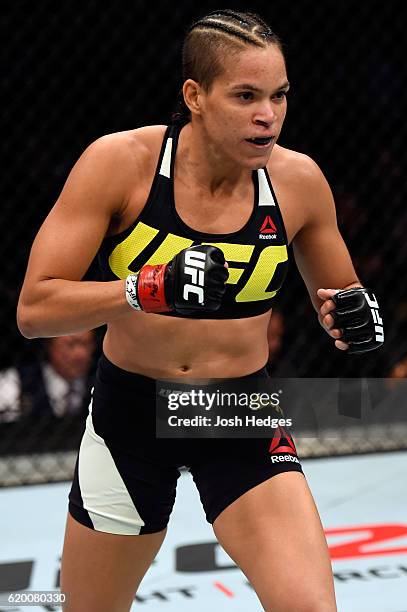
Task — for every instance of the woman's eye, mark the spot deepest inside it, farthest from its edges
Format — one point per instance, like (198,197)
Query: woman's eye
(280,95)
(246,95)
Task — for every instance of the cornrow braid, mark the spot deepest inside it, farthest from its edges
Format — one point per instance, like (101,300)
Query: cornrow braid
(250,22)
(214,37)
(228,29)
(225,13)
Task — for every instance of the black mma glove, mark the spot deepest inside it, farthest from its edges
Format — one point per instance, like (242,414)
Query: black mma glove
(357,316)
(192,282)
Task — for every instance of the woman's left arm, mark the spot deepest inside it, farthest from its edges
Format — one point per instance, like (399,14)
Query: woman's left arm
(322,257)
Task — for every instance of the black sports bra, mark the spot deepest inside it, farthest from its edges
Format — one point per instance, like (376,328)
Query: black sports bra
(256,254)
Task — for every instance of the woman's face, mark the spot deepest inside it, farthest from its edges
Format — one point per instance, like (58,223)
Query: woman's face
(246,101)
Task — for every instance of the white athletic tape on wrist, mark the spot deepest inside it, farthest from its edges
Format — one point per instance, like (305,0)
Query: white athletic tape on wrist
(131,291)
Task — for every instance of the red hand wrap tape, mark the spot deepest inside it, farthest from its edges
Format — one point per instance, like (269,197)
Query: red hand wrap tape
(150,289)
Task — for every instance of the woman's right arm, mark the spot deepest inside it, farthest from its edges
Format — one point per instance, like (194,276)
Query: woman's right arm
(53,300)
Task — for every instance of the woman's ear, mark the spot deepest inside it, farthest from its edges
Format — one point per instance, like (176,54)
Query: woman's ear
(192,92)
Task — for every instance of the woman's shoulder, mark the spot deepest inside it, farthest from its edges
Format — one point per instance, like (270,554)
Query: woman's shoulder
(293,165)
(137,146)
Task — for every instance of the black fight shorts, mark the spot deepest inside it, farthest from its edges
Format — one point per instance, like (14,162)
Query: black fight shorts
(125,478)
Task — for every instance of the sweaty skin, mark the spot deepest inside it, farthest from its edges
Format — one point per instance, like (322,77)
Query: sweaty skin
(108,188)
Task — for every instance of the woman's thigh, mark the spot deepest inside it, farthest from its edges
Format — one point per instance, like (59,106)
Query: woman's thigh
(101,572)
(274,534)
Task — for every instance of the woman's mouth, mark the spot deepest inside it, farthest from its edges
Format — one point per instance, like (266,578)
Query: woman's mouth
(260,142)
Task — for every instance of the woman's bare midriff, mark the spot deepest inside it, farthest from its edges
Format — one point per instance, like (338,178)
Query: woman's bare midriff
(169,347)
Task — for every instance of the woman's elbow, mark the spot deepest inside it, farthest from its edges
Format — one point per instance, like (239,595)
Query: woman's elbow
(25,322)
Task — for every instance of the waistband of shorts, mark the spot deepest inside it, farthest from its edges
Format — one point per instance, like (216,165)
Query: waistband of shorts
(109,372)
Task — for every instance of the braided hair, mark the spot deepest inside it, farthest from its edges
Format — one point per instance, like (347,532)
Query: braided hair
(211,38)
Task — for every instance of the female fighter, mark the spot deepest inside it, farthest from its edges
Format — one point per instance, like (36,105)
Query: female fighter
(192,223)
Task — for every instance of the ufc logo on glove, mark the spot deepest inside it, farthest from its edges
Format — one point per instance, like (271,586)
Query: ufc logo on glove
(374,307)
(195,264)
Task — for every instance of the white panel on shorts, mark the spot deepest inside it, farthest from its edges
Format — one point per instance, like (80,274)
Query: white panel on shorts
(103,491)
(265,194)
(165,169)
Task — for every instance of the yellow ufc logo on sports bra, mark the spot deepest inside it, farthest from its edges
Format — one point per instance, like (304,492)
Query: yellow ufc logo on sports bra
(255,287)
